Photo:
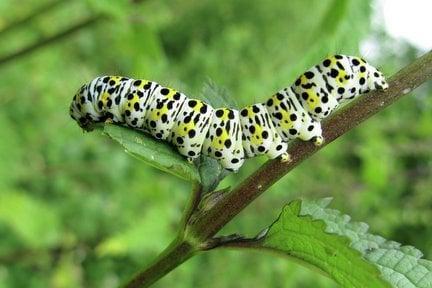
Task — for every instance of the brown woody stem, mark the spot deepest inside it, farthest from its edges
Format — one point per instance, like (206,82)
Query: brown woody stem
(199,233)
(174,255)
(341,122)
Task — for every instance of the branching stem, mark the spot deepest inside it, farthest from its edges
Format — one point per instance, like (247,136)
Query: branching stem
(192,205)
(341,122)
(88,22)
(37,12)
(207,224)
(49,40)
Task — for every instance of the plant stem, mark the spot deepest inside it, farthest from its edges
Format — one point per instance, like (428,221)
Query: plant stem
(341,122)
(208,223)
(54,38)
(174,255)
(49,40)
(191,206)
(35,14)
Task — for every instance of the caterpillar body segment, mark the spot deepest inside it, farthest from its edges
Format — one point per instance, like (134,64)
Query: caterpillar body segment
(286,114)
(136,102)
(190,127)
(164,105)
(224,139)
(289,117)
(259,135)
(111,99)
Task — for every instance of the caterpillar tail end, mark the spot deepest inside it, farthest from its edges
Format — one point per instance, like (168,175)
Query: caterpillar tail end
(285,158)
(318,140)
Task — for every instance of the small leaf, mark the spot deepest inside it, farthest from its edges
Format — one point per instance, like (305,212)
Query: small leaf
(305,238)
(211,173)
(344,250)
(152,151)
(401,266)
(217,96)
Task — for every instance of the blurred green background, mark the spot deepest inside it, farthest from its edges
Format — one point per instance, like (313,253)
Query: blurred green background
(76,211)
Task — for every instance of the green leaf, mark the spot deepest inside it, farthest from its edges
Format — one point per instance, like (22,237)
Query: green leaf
(151,151)
(217,96)
(211,173)
(304,237)
(344,250)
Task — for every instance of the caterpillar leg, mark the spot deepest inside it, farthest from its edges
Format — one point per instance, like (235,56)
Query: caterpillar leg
(109,120)
(317,140)
(285,157)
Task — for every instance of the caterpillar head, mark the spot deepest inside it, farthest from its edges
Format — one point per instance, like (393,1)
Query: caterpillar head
(376,79)
(83,121)
(78,110)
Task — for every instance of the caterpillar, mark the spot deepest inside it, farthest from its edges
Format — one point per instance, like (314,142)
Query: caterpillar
(228,135)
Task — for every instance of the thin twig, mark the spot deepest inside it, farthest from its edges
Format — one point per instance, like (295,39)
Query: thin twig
(192,205)
(175,254)
(232,241)
(47,7)
(240,243)
(54,38)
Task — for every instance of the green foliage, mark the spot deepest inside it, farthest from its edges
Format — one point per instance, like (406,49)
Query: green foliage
(217,96)
(152,152)
(97,201)
(329,240)
(301,235)
(264,46)
(211,173)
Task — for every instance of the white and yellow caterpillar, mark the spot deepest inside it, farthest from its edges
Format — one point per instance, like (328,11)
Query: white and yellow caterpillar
(228,135)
